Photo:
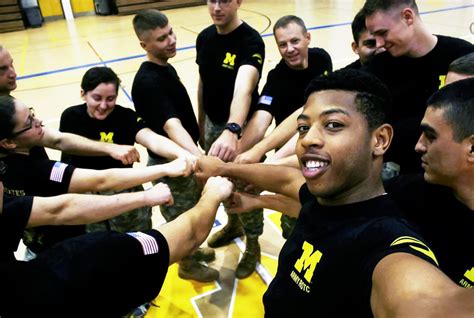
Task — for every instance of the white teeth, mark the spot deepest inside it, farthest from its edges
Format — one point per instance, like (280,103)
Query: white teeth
(315,164)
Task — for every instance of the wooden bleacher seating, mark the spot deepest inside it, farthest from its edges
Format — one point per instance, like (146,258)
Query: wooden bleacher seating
(133,6)
(10,16)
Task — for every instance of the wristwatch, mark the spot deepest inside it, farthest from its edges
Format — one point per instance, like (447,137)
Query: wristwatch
(235,128)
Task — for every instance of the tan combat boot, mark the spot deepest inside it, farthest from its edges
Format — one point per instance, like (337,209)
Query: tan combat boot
(232,230)
(189,268)
(249,261)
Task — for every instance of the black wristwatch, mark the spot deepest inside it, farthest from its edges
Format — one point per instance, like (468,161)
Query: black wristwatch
(235,128)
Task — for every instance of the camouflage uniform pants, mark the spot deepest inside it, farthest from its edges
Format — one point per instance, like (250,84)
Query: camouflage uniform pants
(131,221)
(252,221)
(185,191)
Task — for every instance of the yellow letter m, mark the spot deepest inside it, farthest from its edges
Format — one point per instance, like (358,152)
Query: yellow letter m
(107,137)
(230,59)
(308,261)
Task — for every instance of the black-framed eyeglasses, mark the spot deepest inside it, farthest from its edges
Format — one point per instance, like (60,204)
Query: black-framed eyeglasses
(31,120)
(220,2)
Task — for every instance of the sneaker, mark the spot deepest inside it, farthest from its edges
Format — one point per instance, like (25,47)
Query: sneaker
(198,272)
(138,312)
(204,254)
(225,236)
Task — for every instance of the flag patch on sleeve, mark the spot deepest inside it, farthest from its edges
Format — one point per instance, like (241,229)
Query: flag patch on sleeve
(148,242)
(57,172)
(266,100)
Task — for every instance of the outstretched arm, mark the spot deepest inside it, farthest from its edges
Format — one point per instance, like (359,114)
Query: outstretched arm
(407,286)
(179,135)
(243,202)
(280,135)
(75,144)
(254,131)
(187,232)
(116,179)
(160,145)
(279,179)
(226,146)
(71,209)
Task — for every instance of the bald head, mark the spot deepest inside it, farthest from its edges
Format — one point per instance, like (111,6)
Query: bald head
(7,72)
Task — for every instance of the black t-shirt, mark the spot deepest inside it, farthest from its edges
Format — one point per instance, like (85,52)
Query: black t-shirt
(13,219)
(105,273)
(219,57)
(412,81)
(325,267)
(159,95)
(39,177)
(120,127)
(446,224)
(284,90)
(356,65)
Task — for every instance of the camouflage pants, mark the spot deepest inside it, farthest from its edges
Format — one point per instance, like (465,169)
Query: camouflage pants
(185,191)
(131,221)
(252,221)
(287,225)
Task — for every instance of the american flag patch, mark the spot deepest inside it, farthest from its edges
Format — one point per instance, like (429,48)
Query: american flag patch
(148,242)
(266,100)
(57,172)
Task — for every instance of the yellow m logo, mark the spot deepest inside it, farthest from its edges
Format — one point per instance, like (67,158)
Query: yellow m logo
(470,274)
(230,59)
(107,137)
(442,81)
(308,261)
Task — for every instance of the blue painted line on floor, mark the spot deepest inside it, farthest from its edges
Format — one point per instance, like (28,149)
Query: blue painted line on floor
(193,47)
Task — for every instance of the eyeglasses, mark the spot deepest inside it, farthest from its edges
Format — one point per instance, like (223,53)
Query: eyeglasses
(31,119)
(222,3)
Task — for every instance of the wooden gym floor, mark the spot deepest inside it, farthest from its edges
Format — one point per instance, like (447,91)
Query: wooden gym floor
(51,60)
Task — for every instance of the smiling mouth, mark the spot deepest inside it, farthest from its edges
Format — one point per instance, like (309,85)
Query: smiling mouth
(312,168)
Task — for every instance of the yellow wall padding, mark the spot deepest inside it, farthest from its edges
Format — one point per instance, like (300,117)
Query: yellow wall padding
(50,8)
(82,5)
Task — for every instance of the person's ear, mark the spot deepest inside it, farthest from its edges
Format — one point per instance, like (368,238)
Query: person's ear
(408,15)
(7,144)
(470,157)
(83,94)
(355,48)
(382,137)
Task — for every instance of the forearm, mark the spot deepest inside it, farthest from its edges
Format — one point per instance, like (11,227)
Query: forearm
(74,144)
(72,209)
(255,130)
(180,136)
(278,179)
(281,134)
(281,203)
(115,179)
(166,148)
(187,232)
(245,83)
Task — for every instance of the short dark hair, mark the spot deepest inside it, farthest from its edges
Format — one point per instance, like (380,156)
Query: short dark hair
(457,101)
(148,20)
(358,26)
(463,65)
(7,116)
(98,75)
(373,98)
(372,6)
(287,19)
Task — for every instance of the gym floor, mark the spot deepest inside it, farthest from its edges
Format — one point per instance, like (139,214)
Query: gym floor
(51,60)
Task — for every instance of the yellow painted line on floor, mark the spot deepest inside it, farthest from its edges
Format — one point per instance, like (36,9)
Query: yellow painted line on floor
(175,296)
(248,300)
(274,217)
